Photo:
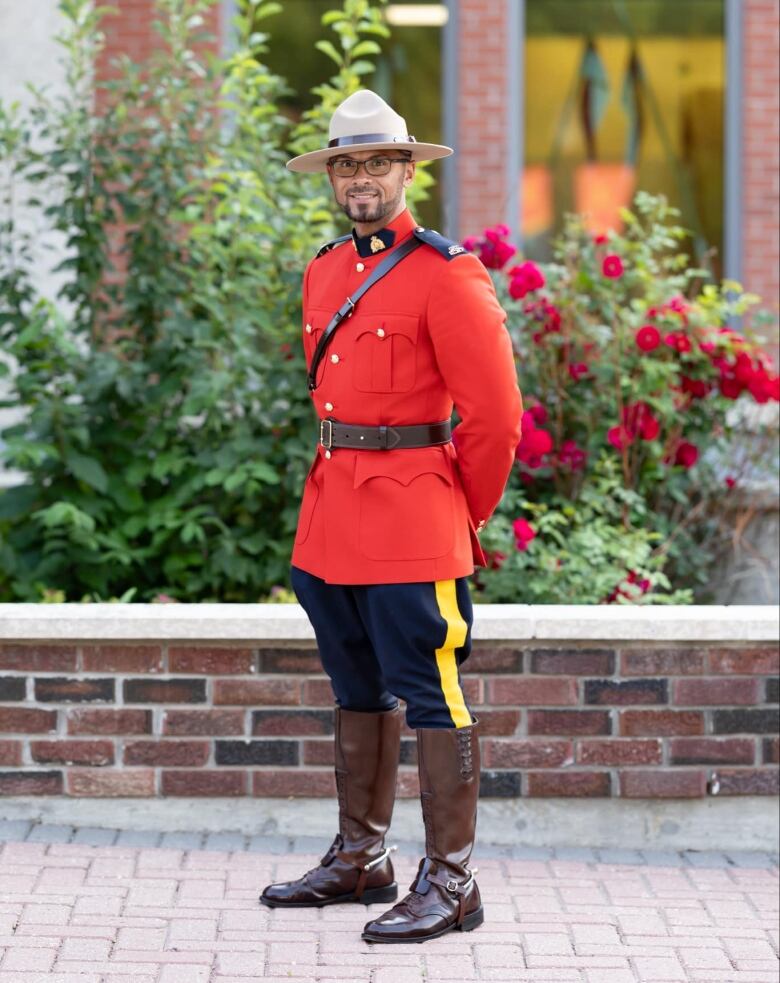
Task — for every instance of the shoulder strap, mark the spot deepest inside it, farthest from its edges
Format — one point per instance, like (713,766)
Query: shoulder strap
(446,247)
(348,306)
(326,248)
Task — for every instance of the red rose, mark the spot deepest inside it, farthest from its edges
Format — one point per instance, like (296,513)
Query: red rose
(678,340)
(577,370)
(686,454)
(495,255)
(524,533)
(497,232)
(573,455)
(612,266)
(639,421)
(619,437)
(698,388)
(525,278)
(538,414)
(730,481)
(470,243)
(730,387)
(648,337)
(600,239)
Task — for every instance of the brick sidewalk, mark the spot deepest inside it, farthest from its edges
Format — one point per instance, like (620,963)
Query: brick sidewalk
(102,906)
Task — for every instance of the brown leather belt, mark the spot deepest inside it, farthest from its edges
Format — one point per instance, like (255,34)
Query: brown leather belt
(336,434)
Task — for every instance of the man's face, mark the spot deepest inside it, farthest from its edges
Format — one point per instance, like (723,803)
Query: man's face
(368,198)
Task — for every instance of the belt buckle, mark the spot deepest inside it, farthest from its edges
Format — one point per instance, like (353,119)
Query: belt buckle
(330,434)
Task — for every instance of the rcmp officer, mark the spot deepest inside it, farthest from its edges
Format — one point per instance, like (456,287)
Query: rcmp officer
(399,325)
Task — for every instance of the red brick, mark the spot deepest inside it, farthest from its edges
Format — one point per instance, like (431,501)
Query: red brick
(291,723)
(318,693)
(531,691)
(473,690)
(205,782)
(408,784)
(662,662)
(203,723)
(614,692)
(745,662)
(258,692)
(318,752)
(532,753)
(278,783)
(579,784)
(52,689)
(292,661)
(73,752)
(573,662)
(660,723)
(122,658)
(30,783)
(38,658)
(10,753)
(715,692)
(85,720)
(138,783)
(712,751)
(569,722)
(749,781)
(663,784)
(24,720)
(210,661)
(619,752)
(164,690)
(171,753)
(494,660)
(771,746)
(498,723)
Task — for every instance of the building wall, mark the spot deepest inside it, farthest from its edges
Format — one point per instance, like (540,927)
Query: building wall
(761,155)
(558,719)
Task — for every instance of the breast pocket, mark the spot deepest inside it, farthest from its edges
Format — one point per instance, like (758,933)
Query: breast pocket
(385,359)
(405,504)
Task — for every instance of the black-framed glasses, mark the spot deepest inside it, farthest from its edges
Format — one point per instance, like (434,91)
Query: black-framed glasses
(375,166)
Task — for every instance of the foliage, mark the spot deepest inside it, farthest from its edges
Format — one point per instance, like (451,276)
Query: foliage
(166,429)
(628,365)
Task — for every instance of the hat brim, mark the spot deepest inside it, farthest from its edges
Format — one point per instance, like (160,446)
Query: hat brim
(316,161)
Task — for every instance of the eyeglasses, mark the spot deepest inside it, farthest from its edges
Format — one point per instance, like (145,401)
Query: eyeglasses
(375,166)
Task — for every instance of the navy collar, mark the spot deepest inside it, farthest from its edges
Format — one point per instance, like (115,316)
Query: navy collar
(377,242)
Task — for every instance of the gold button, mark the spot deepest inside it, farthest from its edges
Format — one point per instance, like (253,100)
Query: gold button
(308,329)
(327,454)
(334,358)
(329,406)
(360,267)
(380,332)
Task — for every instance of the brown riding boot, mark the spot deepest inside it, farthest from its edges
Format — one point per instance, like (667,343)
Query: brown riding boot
(444,895)
(357,867)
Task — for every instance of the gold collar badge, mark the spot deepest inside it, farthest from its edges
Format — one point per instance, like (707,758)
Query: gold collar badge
(376,244)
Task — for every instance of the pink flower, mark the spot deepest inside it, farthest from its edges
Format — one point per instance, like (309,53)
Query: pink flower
(577,370)
(698,388)
(648,337)
(619,437)
(730,387)
(497,232)
(534,443)
(470,243)
(572,455)
(678,340)
(524,533)
(730,481)
(612,266)
(638,419)
(600,239)
(687,454)
(546,315)
(538,413)
(525,278)
(495,255)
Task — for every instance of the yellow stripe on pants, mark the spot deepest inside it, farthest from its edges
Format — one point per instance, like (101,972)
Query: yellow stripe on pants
(457,629)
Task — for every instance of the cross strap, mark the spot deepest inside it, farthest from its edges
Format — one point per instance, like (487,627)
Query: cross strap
(348,307)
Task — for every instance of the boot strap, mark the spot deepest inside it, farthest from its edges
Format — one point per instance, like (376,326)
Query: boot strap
(365,867)
(456,888)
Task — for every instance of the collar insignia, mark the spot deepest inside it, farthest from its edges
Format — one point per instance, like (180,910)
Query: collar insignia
(368,245)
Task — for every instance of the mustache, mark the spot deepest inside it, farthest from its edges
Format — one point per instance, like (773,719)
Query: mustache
(362,191)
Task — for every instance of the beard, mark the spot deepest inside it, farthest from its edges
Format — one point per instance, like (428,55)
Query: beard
(371,211)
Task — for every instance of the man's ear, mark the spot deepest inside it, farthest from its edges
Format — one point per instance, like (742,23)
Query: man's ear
(410,172)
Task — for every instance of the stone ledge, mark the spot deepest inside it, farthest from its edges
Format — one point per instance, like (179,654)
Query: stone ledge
(288,622)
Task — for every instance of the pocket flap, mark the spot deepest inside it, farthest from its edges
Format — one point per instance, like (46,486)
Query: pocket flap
(391,324)
(402,465)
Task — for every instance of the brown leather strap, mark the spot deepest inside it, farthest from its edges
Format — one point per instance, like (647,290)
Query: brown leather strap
(336,434)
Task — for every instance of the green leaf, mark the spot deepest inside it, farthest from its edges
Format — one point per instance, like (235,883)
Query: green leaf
(327,48)
(87,469)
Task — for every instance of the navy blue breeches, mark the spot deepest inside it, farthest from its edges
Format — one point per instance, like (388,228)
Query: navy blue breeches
(383,642)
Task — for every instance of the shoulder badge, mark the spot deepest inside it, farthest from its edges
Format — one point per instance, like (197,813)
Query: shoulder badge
(445,247)
(326,248)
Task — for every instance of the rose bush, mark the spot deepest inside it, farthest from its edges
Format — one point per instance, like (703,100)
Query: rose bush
(631,375)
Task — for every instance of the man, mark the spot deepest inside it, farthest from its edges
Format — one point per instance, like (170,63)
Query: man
(387,531)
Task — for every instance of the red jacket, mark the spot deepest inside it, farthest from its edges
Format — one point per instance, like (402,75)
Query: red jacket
(429,334)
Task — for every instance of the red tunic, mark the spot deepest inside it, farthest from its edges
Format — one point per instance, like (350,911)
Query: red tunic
(430,334)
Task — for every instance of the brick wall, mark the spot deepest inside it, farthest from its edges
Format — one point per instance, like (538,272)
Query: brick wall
(761,155)
(482,119)
(167,719)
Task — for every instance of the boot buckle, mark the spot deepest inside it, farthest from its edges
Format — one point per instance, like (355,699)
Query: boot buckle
(452,885)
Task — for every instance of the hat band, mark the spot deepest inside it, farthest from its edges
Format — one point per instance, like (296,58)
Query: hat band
(370,138)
